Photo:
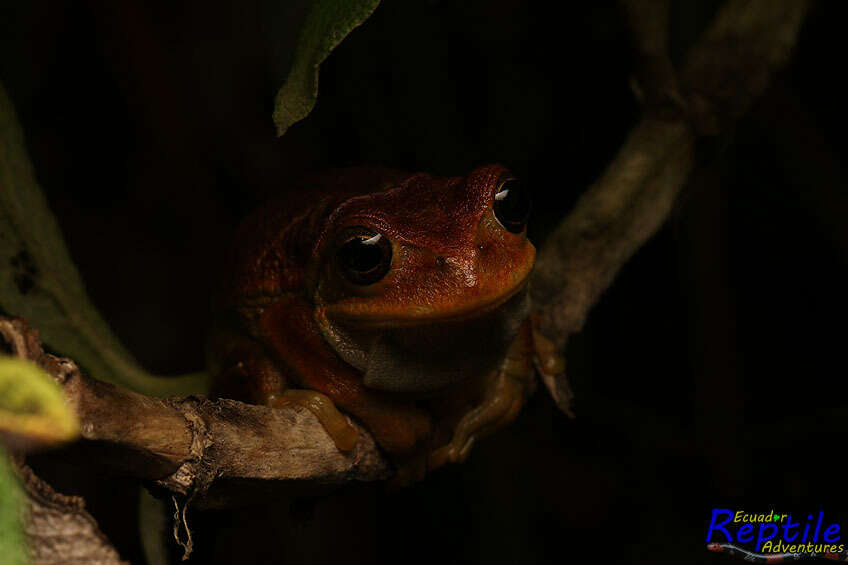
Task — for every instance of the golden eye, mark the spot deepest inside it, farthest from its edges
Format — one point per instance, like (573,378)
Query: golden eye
(512,205)
(363,255)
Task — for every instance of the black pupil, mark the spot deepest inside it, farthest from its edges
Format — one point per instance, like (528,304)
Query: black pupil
(512,206)
(360,256)
(365,258)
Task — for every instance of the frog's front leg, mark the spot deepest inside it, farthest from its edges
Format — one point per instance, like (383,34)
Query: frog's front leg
(504,393)
(335,423)
(243,369)
(287,327)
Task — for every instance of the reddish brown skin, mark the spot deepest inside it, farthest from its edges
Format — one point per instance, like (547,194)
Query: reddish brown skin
(267,339)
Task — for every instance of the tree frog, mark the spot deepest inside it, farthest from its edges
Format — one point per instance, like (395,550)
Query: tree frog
(397,299)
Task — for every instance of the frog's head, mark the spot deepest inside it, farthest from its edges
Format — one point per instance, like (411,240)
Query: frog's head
(431,272)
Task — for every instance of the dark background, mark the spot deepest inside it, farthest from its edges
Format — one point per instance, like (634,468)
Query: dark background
(710,375)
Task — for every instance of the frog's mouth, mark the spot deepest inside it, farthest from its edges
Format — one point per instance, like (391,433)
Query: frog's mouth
(470,303)
(417,357)
(421,315)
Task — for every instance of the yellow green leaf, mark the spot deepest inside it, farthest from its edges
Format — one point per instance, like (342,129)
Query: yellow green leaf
(33,410)
(12,549)
(327,24)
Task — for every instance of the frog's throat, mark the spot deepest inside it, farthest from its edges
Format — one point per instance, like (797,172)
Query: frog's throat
(427,357)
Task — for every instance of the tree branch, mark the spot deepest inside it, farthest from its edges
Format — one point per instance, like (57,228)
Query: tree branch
(727,69)
(216,452)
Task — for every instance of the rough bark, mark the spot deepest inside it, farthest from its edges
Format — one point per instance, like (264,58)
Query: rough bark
(59,529)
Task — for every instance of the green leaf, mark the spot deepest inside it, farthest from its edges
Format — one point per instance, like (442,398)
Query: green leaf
(38,279)
(327,24)
(33,410)
(12,545)
(154,527)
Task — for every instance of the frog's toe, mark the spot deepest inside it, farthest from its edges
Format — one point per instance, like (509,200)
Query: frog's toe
(335,423)
(550,366)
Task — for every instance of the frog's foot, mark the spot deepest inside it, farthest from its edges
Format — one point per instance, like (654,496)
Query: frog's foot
(501,403)
(335,423)
(551,368)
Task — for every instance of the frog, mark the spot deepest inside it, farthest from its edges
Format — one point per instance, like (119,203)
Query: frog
(397,300)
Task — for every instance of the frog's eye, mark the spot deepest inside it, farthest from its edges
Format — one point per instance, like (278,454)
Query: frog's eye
(512,205)
(363,255)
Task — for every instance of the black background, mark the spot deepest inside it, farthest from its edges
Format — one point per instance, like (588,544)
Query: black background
(710,374)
